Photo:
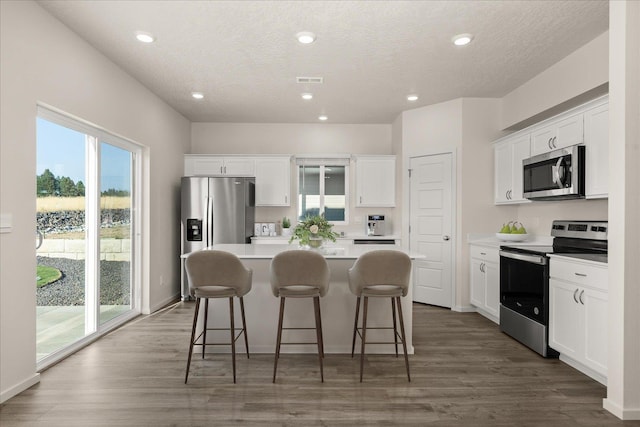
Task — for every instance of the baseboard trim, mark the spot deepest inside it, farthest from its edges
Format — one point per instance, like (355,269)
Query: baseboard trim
(463,308)
(19,388)
(163,304)
(623,414)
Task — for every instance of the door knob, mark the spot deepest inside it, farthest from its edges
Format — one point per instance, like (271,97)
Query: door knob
(445,237)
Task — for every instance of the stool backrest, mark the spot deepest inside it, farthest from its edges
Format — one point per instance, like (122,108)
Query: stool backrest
(299,268)
(380,267)
(217,268)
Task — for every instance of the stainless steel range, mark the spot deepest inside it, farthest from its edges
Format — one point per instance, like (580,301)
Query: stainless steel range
(524,279)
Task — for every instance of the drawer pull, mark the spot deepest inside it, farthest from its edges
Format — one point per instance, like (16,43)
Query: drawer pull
(580,274)
(483,253)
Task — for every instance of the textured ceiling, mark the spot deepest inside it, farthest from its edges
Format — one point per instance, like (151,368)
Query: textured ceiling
(244,57)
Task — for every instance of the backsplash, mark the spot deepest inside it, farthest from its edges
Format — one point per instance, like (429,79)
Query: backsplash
(537,216)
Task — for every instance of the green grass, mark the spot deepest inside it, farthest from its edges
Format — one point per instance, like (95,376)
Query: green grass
(47,275)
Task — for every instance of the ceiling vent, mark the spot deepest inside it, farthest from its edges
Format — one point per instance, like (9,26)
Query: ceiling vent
(317,80)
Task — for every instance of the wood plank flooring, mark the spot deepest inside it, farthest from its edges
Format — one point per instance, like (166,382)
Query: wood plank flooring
(465,373)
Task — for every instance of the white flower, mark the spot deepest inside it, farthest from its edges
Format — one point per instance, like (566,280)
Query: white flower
(313,229)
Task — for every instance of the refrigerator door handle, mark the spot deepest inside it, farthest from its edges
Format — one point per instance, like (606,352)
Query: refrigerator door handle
(209,221)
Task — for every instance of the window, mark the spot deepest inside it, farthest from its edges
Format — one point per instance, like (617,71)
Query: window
(323,188)
(88,198)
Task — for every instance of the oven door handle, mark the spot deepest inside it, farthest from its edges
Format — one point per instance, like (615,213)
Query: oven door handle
(536,259)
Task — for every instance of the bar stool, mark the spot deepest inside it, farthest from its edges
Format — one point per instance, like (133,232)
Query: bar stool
(299,274)
(217,274)
(380,274)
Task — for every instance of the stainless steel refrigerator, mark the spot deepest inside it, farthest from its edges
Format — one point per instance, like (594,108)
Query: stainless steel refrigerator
(215,210)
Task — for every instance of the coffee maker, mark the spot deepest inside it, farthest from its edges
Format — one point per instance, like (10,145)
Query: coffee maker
(375,225)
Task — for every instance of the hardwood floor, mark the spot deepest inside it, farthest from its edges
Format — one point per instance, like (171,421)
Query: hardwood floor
(465,373)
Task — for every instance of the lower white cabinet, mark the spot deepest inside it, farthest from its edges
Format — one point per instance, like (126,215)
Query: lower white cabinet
(485,281)
(578,305)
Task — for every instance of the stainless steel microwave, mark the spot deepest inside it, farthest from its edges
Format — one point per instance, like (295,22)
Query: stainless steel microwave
(558,174)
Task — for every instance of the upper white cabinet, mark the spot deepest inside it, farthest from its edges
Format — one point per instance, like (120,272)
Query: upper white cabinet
(596,140)
(273,181)
(375,181)
(560,134)
(204,165)
(509,154)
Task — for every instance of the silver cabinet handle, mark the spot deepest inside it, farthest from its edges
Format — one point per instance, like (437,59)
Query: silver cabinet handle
(285,199)
(360,199)
(549,143)
(574,295)
(580,274)
(553,142)
(482,267)
(225,170)
(445,238)
(580,297)
(483,253)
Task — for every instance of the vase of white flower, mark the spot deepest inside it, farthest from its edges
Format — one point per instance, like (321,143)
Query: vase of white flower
(313,231)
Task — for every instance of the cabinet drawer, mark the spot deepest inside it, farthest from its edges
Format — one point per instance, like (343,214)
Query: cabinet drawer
(579,273)
(485,253)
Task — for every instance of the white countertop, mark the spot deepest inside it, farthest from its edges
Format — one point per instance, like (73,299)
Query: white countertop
(345,237)
(347,251)
(598,260)
(490,240)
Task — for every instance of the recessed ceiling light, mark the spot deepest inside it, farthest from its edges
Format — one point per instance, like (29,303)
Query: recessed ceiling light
(145,37)
(306,37)
(462,39)
(197,95)
(412,97)
(307,96)
(322,117)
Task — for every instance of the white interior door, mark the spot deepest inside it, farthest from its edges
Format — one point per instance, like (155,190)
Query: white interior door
(430,233)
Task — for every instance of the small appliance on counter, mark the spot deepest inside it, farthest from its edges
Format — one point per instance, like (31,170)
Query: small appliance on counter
(375,225)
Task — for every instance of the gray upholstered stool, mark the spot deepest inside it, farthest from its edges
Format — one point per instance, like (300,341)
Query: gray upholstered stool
(380,274)
(299,274)
(217,274)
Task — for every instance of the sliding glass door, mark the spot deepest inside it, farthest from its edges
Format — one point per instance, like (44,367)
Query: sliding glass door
(87,197)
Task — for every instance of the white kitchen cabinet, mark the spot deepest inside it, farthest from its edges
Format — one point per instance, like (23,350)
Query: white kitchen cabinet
(485,281)
(596,140)
(557,134)
(273,181)
(205,165)
(578,305)
(508,182)
(375,181)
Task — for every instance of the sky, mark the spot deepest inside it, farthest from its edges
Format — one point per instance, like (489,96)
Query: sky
(62,151)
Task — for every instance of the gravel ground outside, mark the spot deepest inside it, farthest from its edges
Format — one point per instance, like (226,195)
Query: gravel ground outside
(69,289)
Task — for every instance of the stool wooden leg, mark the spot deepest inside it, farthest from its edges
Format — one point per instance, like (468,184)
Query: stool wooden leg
(320,322)
(316,306)
(395,330)
(206,323)
(404,341)
(233,338)
(193,335)
(279,339)
(355,326)
(244,327)
(364,334)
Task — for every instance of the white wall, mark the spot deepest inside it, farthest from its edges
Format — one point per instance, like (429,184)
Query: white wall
(580,76)
(623,386)
(299,139)
(43,61)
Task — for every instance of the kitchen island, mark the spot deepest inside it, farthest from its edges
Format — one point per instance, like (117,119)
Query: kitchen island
(337,307)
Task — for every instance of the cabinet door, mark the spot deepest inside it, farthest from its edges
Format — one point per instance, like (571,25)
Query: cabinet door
(502,172)
(521,149)
(492,289)
(239,167)
(595,305)
(560,134)
(273,182)
(376,181)
(477,283)
(565,319)
(508,180)
(596,140)
(204,166)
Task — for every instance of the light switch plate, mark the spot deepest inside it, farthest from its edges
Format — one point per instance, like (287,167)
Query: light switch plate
(6,223)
